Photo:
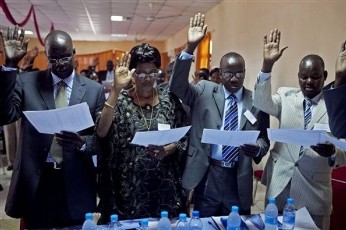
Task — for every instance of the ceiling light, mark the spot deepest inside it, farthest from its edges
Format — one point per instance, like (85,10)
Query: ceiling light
(119,35)
(117,18)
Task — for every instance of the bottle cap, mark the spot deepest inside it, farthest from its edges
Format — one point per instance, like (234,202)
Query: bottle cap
(144,222)
(195,213)
(182,216)
(164,214)
(114,218)
(271,200)
(290,200)
(235,209)
(89,216)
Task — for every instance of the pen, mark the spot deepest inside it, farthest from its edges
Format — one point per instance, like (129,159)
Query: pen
(217,226)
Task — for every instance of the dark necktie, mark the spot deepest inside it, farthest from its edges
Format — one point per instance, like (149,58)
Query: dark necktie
(60,101)
(229,153)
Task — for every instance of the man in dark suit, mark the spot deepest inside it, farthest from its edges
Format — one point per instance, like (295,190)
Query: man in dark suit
(336,97)
(107,75)
(218,182)
(44,192)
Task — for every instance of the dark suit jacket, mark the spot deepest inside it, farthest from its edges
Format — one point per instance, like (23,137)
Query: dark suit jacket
(206,101)
(336,107)
(33,91)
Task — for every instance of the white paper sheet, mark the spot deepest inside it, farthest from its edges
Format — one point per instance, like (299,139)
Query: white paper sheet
(160,138)
(231,138)
(71,118)
(338,143)
(296,136)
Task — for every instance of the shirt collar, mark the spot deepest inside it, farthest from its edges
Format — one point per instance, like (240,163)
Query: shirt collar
(238,94)
(315,99)
(68,81)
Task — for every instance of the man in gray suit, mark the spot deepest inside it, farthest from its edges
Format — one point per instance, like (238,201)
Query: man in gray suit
(44,192)
(335,96)
(217,182)
(291,170)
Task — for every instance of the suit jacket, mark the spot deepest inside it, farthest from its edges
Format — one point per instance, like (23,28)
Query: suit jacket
(207,102)
(33,91)
(310,173)
(335,102)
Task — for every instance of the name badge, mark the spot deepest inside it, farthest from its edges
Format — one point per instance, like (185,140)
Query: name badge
(161,126)
(250,117)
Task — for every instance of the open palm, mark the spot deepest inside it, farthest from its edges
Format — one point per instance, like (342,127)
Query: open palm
(122,73)
(271,50)
(340,67)
(196,30)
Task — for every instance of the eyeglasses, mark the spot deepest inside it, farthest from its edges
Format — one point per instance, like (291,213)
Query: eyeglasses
(239,74)
(143,75)
(60,60)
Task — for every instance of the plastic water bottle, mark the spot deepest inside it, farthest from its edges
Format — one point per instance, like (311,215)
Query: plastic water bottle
(271,215)
(234,220)
(164,223)
(114,224)
(289,215)
(144,224)
(89,223)
(182,223)
(195,222)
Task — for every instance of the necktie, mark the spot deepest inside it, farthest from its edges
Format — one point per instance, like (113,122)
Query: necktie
(60,101)
(229,153)
(307,118)
(307,112)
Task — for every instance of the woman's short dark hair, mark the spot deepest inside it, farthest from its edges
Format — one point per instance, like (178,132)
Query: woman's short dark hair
(144,54)
(213,70)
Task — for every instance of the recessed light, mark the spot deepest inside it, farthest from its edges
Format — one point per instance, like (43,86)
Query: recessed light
(119,35)
(117,18)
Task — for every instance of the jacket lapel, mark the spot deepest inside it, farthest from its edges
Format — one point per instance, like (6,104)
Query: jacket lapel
(78,90)
(247,105)
(318,114)
(219,97)
(45,87)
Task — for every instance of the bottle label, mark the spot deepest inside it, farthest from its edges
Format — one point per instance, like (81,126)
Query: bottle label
(270,220)
(289,218)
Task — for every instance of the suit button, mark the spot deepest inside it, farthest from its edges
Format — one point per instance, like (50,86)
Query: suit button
(296,164)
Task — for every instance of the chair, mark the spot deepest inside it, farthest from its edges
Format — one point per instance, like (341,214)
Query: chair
(258,177)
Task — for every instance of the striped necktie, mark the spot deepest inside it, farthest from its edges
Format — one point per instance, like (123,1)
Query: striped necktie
(307,112)
(229,153)
(60,101)
(307,118)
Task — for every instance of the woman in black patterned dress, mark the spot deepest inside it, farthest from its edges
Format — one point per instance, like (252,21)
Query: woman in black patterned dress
(137,181)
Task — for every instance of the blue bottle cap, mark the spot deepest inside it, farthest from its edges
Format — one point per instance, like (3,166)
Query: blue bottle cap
(195,213)
(164,214)
(271,200)
(290,200)
(144,222)
(89,216)
(182,216)
(235,209)
(114,218)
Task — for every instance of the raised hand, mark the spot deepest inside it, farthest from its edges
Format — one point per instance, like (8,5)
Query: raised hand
(340,67)
(123,75)
(196,32)
(271,50)
(14,46)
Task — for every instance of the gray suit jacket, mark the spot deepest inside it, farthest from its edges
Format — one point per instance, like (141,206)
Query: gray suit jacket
(335,102)
(310,174)
(206,101)
(33,91)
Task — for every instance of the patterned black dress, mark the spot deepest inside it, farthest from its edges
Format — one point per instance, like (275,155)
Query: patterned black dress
(132,183)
